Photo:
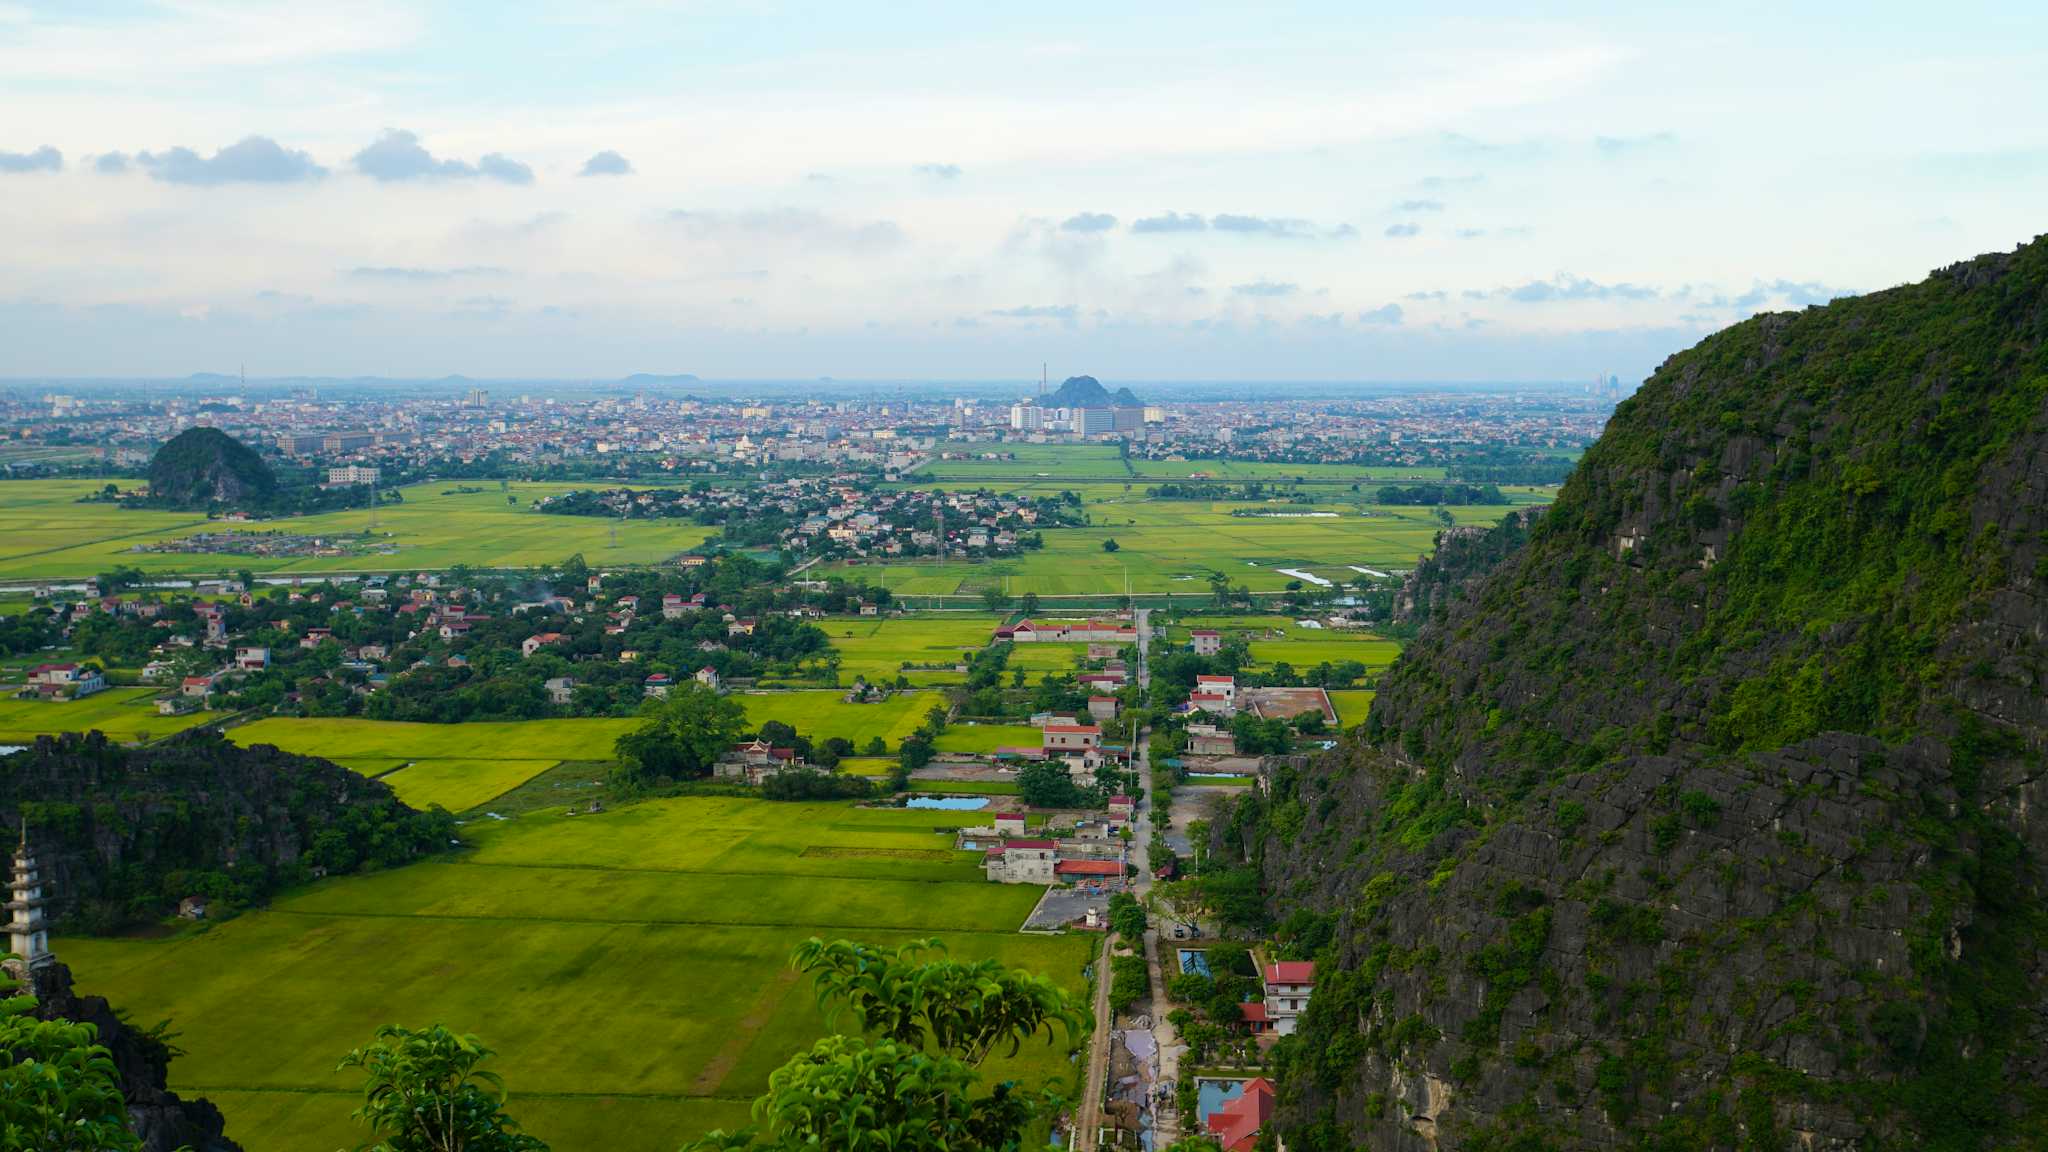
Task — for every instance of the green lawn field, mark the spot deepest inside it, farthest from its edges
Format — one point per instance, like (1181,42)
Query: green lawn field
(459,785)
(877,647)
(1099,462)
(630,967)
(1351,705)
(966,787)
(350,739)
(46,533)
(475,762)
(820,715)
(988,737)
(122,713)
(1173,546)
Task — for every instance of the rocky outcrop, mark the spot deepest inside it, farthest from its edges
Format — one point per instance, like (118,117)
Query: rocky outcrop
(1705,817)
(164,1122)
(126,833)
(205,467)
(1463,556)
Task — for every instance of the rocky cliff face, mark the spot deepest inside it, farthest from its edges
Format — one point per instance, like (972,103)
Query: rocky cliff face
(164,1122)
(125,834)
(205,466)
(1463,556)
(1707,818)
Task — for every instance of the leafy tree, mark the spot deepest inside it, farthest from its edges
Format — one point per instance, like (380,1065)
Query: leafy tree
(1029,603)
(426,1092)
(1046,784)
(995,599)
(59,1089)
(681,737)
(1110,545)
(908,1082)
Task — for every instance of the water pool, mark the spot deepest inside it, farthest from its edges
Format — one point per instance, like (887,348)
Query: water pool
(949,803)
(1213,1094)
(1194,961)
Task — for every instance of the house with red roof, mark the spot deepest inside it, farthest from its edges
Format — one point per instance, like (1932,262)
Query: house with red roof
(1206,641)
(1236,1125)
(1071,737)
(1289,983)
(754,761)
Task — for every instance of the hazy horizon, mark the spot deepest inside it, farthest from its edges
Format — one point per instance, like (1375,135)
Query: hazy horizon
(1310,192)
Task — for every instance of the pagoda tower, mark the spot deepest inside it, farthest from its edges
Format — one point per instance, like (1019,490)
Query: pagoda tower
(27,937)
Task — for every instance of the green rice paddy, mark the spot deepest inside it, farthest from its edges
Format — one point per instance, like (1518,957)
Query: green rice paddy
(629,967)
(45,533)
(127,714)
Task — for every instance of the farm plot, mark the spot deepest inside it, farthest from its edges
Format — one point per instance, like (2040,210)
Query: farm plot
(1352,704)
(44,532)
(127,714)
(986,738)
(877,648)
(664,926)
(1283,639)
(821,715)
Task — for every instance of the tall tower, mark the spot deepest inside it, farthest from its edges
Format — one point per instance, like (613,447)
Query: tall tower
(27,937)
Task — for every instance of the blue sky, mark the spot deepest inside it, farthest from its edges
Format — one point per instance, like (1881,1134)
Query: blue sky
(1153,191)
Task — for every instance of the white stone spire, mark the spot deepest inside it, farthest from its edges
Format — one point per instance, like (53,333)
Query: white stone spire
(27,937)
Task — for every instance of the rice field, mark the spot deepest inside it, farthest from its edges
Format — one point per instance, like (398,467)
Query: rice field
(630,967)
(126,714)
(46,534)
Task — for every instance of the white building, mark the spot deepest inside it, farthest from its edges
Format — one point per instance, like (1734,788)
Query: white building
(352,474)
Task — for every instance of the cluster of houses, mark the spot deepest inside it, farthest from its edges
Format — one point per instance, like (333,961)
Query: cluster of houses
(1088,853)
(63,682)
(843,515)
(1068,632)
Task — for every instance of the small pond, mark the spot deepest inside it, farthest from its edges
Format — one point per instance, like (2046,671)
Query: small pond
(1194,961)
(1213,1094)
(949,803)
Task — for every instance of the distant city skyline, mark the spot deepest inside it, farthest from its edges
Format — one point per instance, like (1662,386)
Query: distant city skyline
(1305,192)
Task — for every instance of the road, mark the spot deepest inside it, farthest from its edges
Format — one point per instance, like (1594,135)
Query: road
(1088,1119)
(1165,1119)
(1166,1042)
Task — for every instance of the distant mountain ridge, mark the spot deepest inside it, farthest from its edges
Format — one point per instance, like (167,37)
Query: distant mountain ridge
(1088,392)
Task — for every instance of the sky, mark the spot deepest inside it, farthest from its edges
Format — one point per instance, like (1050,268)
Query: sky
(1327,192)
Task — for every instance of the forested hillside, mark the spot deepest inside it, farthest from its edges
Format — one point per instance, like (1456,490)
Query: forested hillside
(1704,820)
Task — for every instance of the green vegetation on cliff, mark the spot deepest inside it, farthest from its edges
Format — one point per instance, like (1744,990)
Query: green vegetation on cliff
(204,467)
(1701,821)
(124,834)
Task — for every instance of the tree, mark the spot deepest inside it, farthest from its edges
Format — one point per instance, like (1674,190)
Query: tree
(1046,784)
(681,737)
(425,1092)
(59,1089)
(1110,545)
(995,599)
(1029,603)
(908,1082)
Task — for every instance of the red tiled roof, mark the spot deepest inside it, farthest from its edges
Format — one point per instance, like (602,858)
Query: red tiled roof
(1075,728)
(1088,868)
(1008,844)
(1291,972)
(1252,1013)
(1237,1123)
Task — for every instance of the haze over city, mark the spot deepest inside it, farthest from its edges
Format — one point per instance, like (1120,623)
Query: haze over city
(1153,191)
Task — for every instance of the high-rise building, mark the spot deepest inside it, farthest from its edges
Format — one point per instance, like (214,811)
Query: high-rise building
(1094,421)
(478,397)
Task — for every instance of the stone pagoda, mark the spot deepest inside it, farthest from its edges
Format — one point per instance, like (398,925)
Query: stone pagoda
(27,936)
